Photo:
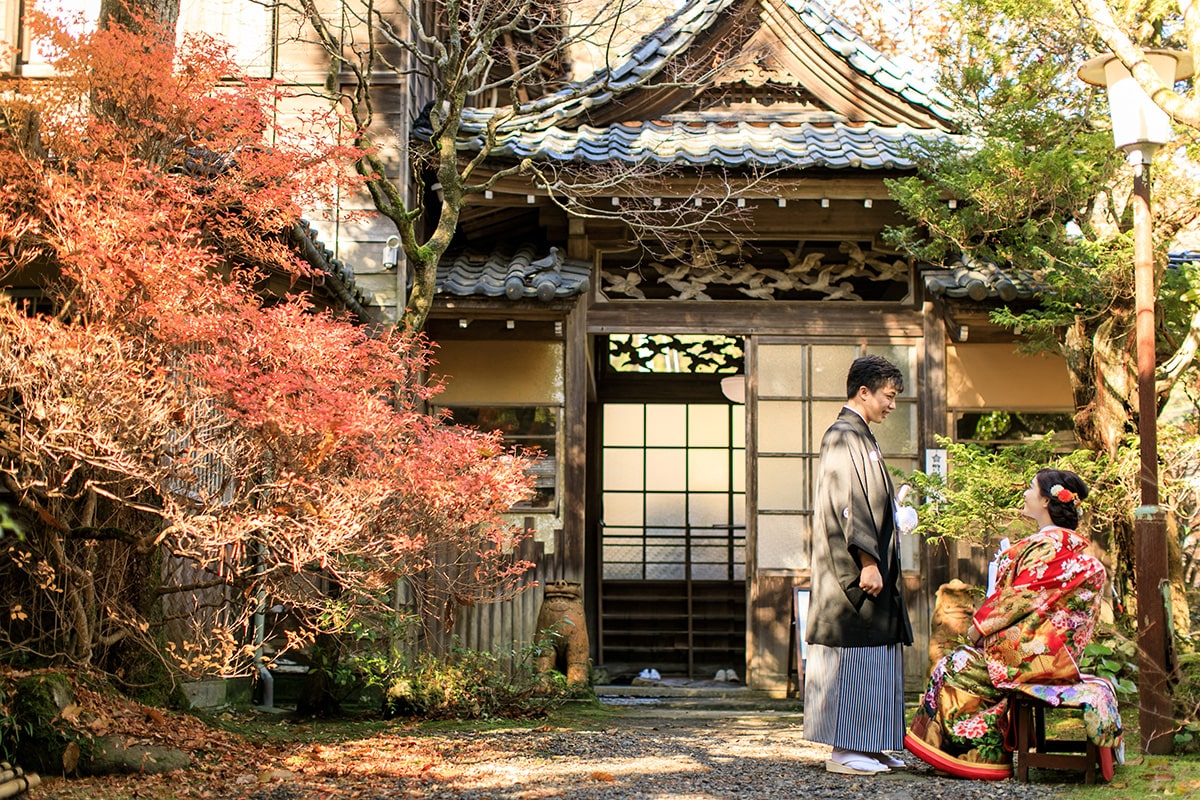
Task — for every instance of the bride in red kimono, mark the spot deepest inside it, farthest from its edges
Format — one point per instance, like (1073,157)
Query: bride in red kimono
(1028,636)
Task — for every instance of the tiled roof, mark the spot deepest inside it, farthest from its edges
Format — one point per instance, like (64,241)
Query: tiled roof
(981,281)
(737,143)
(558,126)
(338,276)
(680,30)
(901,75)
(527,272)
(672,37)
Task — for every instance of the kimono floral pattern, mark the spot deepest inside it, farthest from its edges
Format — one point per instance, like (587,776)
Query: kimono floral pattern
(1043,610)
(1034,627)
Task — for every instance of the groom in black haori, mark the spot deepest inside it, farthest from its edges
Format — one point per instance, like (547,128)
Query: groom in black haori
(857,622)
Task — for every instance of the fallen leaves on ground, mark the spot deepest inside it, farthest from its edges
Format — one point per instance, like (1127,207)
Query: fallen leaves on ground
(226,765)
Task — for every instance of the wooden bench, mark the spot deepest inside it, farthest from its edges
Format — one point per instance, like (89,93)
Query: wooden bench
(1033,749)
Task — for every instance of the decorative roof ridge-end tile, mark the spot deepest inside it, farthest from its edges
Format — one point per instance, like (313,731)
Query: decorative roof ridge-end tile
(516,274)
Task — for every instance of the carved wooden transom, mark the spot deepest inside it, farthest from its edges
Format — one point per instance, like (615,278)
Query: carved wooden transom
(695,354)
(825,271)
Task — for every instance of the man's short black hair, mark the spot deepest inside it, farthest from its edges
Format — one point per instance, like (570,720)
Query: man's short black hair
(873,372)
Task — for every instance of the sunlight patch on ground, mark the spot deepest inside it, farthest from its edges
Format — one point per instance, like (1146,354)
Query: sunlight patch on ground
(567,771)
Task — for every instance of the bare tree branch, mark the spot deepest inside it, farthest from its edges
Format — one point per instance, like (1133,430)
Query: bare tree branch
(501,55)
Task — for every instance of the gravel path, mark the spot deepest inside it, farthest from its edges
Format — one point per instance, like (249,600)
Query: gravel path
(670,753)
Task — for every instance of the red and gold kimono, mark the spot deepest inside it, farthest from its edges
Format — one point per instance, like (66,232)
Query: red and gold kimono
(1033,629)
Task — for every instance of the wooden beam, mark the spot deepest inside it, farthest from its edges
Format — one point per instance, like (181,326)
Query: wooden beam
(454,307)
(574,478)
(935,419)
(578,245)
(803,185)
(738,318)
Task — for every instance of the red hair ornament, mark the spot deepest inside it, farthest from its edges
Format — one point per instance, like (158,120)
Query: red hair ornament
(1063,495)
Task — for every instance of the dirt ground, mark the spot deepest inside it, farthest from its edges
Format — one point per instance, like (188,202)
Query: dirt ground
(653,749)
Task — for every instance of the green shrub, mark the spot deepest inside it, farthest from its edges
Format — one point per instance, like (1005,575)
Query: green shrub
(982,497)
(1114,656)
(469,684)
(11,728)
(385,668)
(1185,694)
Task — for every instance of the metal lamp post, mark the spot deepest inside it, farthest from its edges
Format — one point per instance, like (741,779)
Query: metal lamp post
(1140,128)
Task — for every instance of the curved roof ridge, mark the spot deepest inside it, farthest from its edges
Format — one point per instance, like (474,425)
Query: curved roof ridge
(900,76)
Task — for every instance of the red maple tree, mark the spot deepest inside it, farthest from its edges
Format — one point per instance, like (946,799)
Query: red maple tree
(183,449)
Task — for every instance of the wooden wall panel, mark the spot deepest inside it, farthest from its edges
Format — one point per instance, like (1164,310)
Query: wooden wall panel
(768,632)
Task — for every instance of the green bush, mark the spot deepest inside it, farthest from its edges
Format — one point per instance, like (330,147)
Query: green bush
(11,728)
(1185,694)
(384,665)
(1112,655)
(33,732)
(469,684)
(982,497)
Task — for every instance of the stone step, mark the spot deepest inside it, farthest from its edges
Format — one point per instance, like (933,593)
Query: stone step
(696,696)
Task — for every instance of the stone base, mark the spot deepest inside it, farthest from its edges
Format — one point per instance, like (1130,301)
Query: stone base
(217,692)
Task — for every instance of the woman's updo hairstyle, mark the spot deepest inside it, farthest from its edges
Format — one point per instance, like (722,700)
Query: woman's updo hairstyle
(1066,491)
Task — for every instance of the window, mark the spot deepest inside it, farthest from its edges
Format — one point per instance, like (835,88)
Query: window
(1000,428)
(801,391)
(532,429)
(247,26)
(10,38)
(681,354)
(32,60)
(674,493)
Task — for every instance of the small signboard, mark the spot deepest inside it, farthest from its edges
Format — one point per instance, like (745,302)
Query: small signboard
(798,648)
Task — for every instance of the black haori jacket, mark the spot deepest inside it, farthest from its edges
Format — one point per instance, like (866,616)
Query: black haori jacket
(854,510)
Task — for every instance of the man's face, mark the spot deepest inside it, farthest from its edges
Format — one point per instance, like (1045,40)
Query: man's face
(878,404)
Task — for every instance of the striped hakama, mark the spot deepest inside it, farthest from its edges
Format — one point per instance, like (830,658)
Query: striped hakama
(854,697)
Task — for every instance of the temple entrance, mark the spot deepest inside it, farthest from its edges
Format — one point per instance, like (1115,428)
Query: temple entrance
(672,532)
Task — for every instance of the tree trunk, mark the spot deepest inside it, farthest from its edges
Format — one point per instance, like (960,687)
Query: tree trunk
(1103,382)
(1102,376)
(318,697)
(128,13)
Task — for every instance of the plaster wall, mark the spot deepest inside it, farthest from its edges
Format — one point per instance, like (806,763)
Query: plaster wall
(996,376)
(497,373)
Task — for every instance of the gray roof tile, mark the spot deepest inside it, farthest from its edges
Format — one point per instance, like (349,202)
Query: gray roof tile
(740,143)
(899,74)
(338,275)
(525,273)
(979,281)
